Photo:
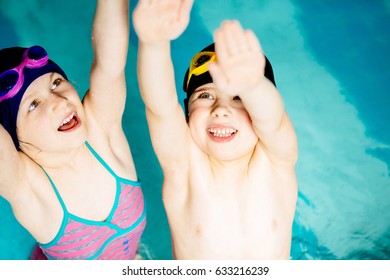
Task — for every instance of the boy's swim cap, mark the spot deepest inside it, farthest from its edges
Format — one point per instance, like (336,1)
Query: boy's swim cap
(10,58)
(197,81)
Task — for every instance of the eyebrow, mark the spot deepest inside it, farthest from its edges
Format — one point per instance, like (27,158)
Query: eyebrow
(29,95)
(201,88)
(26,99)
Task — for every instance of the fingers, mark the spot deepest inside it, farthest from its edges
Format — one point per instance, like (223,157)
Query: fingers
(158,20)
(252,41)
(219,78)
(184,11)
(231,39)
(239,56)
(234,36)
(185,8)
(144,3)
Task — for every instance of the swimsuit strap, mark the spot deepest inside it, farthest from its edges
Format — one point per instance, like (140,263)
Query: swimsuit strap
(101,160)
(56,192)
(105,165)
(97,157)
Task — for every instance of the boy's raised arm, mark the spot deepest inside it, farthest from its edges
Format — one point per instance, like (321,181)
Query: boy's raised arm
(156,25)
(237,72)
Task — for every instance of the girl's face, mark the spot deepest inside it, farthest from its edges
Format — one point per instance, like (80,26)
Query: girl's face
(51,116)
(220,125)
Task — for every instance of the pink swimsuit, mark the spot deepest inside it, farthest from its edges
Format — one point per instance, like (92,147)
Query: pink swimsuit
(116,238)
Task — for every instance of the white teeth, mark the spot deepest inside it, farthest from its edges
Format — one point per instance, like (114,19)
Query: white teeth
(225,132)
(67,119)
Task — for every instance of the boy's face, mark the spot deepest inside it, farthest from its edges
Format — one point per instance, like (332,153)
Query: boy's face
(219,124)
(51,116)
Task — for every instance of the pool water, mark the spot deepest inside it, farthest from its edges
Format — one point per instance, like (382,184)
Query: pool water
(331,63)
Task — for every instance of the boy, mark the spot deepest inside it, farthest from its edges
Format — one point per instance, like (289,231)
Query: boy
(229,186)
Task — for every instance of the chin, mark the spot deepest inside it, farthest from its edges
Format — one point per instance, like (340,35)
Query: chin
(223,155)
(232,154)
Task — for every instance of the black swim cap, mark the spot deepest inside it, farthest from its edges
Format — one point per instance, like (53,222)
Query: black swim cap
(9,108)
(205,78)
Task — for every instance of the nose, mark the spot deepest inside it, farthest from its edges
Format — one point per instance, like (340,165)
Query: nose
(221,109)
(58,102)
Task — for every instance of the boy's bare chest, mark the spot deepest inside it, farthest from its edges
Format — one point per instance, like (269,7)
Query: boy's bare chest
(235,221)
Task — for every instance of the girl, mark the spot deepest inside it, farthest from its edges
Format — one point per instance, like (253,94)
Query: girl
(65,165)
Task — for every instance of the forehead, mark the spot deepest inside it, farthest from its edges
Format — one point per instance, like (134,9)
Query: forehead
(39,83)
(209,86)
(37,86)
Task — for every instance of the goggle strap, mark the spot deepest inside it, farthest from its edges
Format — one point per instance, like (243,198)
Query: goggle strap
(193,68)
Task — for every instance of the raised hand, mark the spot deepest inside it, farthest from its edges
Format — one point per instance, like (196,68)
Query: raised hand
(240,61)
(161,20)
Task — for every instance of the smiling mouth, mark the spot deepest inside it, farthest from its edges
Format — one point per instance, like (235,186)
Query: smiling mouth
(222,133)
(69,123)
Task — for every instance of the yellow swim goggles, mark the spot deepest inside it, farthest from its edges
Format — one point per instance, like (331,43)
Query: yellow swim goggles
(199,63)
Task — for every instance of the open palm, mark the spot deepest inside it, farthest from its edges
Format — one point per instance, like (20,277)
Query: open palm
(240,61)
(161,20)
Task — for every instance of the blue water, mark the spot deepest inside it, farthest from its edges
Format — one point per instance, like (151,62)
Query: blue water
(331,64)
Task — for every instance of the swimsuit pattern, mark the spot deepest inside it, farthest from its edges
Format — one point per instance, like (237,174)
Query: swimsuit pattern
(117,237)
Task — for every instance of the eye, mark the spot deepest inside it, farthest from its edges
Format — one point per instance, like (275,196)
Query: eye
(205,95)
(56,83)
(33,105)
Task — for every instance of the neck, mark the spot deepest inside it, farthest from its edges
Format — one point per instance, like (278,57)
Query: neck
(58,159)
(231,170)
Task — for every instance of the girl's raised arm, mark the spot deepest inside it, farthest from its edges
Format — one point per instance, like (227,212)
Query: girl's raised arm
(10,166)
(106,98)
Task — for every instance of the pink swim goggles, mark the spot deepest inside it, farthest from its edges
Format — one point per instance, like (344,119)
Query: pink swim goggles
(11,81)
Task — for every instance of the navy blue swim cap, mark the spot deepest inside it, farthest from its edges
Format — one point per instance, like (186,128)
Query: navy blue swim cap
(9,108)
(205,78)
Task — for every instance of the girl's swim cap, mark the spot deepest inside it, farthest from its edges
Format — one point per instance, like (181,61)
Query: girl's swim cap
(9,59)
